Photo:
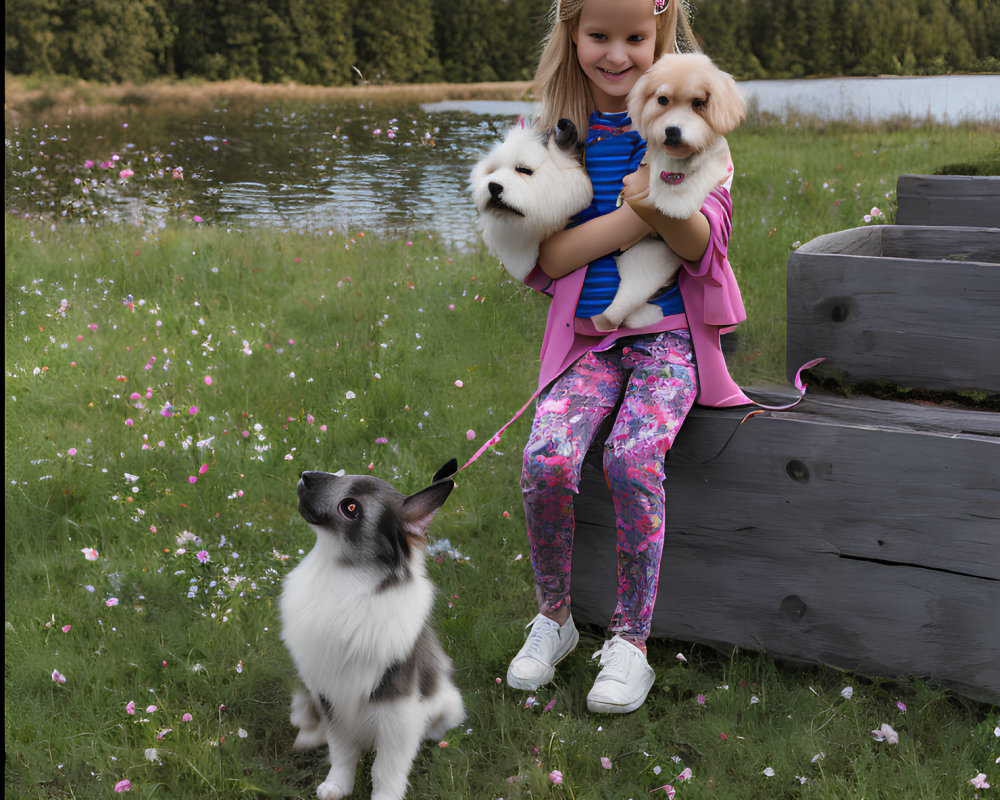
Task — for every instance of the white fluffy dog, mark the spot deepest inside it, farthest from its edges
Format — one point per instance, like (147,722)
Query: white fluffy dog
(355,616)
(528,187)
(684,106)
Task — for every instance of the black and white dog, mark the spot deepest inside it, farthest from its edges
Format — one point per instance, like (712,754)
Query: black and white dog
(355,617)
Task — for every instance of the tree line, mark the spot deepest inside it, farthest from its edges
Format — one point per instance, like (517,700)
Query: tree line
(339,42)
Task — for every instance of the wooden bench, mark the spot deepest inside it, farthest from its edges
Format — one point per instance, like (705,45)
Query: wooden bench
(856,532)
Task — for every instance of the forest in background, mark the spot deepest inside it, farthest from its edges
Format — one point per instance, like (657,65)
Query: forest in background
(343,42)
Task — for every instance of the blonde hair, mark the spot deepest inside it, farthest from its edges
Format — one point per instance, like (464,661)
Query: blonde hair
(560,82)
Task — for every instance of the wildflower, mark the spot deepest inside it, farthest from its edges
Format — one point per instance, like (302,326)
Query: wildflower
(71,451)
(202,556)
(669,790)
(89,553)
(606,762)
(701,699)
(886,734)
(130,708)
(208,380)
(769,772)
(470,434)
(556,776)
(847,692)
(111,602)
(58,677)
(980,781)
(186,717)
(685,774)
(124,785)
(66,628)
(150,709)
(901,706)
(150,754)
(459,384)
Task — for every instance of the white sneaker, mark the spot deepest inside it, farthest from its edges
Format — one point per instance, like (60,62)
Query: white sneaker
(548,643)
(624,681)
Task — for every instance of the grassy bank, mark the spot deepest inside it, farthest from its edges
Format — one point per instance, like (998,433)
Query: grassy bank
(54,100)
(160,417)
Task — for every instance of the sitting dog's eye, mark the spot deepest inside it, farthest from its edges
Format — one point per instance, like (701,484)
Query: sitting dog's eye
(350,509)
(524,170)
(698,104)
(663,100)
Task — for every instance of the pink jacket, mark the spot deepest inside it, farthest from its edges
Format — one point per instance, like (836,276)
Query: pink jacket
(711,300)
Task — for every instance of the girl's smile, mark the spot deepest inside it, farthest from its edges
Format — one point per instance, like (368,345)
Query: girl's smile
(615,43)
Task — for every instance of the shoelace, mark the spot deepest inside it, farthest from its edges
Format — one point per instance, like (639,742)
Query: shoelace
(533,646)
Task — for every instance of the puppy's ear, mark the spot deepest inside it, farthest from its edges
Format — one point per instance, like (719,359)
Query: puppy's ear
(419,509)
(636,101)
(726,106)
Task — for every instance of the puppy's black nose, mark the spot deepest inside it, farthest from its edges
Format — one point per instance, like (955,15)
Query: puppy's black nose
(672,136)
(496,189)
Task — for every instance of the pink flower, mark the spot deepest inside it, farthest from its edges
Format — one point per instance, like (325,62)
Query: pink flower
(886,734)
(470,434)
(71,451)
(701,699)
(901,706)
(66,628)
(606,762)
(208,380)
(192,479)
(202,556)
(186,718)
(980,781)
(111,602)
(685,774)
(126,173)
(128,423)
(459,384)
(124,785)
(668,789)
(556,776)
(203,469)
(196,218)
(58,677)
(130,708)
(150,709)
(193,410)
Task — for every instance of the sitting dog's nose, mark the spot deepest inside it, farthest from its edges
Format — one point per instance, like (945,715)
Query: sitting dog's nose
(672,136)
(496,189)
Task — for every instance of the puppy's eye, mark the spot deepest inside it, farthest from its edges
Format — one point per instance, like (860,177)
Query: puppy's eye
(524,170)
(663,100)
(350,508)
(698,104)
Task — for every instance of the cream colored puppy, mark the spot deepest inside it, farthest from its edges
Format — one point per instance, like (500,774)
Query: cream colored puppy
(683,107)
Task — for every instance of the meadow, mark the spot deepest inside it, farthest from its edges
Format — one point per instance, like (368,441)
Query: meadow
(165,387)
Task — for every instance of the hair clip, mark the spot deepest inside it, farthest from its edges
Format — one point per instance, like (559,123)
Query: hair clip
(659,6)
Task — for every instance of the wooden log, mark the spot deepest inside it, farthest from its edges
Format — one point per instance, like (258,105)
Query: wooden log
(861,534)
(963,200)
(913,307)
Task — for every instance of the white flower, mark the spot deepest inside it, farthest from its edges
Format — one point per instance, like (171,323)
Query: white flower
(769,771)
(980,781)
(886,734)
(151,754)
(847,692)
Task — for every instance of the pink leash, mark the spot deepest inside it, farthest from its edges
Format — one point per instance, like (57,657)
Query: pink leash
(799,385)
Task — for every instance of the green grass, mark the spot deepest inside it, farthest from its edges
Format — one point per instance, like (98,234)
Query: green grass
(336,353)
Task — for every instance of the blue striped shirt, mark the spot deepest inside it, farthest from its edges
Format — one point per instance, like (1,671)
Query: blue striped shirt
(612,152)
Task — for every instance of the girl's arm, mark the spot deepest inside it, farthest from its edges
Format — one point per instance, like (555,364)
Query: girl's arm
(686,237)
(569,249)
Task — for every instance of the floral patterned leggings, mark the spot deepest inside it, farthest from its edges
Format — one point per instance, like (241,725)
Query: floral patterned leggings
(657,375)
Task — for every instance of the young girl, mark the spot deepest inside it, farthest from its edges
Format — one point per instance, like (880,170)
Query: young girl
(594,54)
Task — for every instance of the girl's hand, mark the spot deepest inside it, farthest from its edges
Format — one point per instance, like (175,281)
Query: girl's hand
(688,238)
(636,190)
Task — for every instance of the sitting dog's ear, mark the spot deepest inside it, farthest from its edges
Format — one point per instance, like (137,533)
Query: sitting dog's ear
(446,471)
(419,509)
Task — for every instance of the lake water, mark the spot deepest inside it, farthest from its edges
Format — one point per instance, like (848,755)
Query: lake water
(346,167)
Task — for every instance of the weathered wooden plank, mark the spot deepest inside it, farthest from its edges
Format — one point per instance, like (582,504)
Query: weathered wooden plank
(916,323)
(910,241)
(970,200)
(871,545)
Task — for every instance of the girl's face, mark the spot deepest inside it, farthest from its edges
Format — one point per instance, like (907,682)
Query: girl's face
(615,44)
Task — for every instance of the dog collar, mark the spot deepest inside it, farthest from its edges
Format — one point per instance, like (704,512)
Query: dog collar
(673,178)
